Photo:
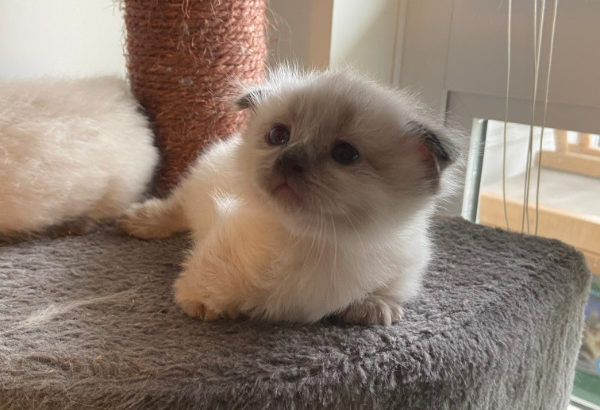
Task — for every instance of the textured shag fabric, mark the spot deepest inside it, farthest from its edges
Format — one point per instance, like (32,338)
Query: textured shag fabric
(89,322)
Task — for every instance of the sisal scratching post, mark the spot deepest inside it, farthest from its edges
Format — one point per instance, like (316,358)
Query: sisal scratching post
(184,60)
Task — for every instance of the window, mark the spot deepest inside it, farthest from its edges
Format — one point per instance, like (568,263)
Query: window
(568,207)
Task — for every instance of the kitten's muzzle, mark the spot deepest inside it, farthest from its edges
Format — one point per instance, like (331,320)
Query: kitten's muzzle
(293,161)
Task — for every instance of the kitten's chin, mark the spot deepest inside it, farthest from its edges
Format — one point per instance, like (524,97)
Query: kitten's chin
(286,195)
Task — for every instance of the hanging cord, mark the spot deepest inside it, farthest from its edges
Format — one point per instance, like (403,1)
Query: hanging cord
(537,49)
(551,52)
(508,49)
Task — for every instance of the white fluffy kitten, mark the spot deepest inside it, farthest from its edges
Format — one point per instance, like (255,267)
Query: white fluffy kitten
(70,149)
(321,206)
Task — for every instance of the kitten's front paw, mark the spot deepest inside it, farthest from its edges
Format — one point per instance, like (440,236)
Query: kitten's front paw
(191,303)
(199,310)
(373,310)
(143,221)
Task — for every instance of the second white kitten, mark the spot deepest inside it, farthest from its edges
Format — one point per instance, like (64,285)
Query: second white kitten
(70,150)
(321,206)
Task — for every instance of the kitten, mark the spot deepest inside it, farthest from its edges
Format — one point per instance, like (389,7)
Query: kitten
(70,150)
(321,206)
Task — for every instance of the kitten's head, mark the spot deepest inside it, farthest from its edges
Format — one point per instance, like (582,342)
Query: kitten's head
(333,151)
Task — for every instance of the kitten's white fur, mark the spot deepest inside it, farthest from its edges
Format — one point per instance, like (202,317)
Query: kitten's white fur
(355,245)
(70,149)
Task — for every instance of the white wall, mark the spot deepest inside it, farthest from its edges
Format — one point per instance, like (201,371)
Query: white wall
(363,35)
(60,37)
(85,37)
(333,33)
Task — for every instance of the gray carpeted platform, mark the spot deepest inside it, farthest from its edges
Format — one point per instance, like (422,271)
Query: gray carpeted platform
(89,322)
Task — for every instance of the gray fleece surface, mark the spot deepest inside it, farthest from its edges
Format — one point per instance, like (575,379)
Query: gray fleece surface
(89,322)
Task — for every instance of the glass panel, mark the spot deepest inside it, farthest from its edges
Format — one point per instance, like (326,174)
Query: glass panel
(569,207)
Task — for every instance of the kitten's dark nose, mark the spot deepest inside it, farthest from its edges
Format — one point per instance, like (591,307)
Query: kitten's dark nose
(293,161)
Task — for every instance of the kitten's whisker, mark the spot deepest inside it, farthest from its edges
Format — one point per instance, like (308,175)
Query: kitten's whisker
(309,252)
(333,272)
(301,236)
(377,223)
(335,244)
(320,241)
(362,244)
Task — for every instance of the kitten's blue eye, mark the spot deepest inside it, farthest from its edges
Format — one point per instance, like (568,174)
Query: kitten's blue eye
(279,135)
(344,153)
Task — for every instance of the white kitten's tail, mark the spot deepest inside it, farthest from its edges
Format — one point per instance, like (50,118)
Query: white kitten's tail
(154,218)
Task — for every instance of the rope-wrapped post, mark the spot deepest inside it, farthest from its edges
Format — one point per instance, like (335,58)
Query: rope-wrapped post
(185,58)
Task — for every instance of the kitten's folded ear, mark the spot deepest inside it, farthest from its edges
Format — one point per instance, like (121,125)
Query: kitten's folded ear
(434,147)
(250,99)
